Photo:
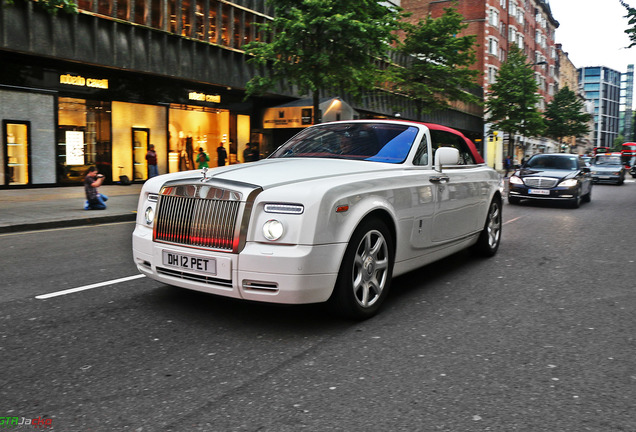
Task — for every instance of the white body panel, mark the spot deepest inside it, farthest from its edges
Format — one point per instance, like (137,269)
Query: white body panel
(430,219)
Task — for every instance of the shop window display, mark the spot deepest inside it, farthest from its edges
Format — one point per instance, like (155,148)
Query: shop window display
(17,153)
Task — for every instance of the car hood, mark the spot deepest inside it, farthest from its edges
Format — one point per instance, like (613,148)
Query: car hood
(554,173)
(268,173)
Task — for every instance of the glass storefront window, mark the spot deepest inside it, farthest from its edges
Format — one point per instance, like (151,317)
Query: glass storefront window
(141,144)
(83,138)
(16,150)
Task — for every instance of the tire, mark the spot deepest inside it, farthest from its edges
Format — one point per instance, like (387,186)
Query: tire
(588,196)
(576,201)
(490,236)
(514,200)
(365,272)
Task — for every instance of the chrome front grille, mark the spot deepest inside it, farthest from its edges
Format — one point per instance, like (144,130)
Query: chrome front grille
(541,182)
(195,221)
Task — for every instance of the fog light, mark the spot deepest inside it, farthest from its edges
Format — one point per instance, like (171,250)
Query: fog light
(149,214)
(273,229)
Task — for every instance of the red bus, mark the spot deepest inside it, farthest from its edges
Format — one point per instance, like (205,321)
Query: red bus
(598,150)
(628,154)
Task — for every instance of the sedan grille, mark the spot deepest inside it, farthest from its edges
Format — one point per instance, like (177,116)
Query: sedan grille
(541,182)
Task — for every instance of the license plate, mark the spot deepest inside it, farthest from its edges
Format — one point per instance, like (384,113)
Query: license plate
(539,192)
(604,177)
(195,263)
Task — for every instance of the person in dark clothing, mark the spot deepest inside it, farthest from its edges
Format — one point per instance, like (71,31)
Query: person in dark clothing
(221,154)
(151,157)
(507,165)
(94,199)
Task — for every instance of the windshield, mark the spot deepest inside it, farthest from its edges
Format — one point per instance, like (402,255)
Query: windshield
(553,162)
(608,160)
(377,142)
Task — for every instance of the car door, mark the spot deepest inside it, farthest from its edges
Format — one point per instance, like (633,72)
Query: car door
(458,192)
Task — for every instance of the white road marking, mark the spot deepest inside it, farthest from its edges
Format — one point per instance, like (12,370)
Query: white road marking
(87,287)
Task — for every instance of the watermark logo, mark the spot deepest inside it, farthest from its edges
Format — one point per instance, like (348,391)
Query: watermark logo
(22,422)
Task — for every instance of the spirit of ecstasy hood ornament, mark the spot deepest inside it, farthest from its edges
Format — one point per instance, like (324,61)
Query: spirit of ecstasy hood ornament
(205,174)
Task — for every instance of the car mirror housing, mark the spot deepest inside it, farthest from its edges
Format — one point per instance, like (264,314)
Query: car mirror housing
(446,156)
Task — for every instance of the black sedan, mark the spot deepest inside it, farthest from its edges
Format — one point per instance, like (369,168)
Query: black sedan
(552,177)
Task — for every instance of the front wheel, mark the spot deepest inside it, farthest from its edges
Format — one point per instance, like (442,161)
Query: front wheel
(490,236)
(365,272)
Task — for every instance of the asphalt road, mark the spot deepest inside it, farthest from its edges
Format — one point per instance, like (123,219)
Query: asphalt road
(538,338)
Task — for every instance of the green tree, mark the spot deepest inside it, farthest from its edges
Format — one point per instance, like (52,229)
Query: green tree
(436,70)
(565,116)
(53,6)
(323,44)
(631,30)
(512,100)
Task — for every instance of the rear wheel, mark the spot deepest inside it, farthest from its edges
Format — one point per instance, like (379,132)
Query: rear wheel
(490,236)
(365,273)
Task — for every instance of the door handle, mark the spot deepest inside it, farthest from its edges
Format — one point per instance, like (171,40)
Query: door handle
(439,179)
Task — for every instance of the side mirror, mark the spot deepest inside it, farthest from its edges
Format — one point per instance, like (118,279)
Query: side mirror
(446,156)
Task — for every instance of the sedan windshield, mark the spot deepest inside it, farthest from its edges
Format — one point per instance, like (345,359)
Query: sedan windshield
(384,142)
(552,162)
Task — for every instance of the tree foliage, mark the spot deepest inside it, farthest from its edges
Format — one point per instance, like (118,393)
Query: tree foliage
(565,116)
(513,98)
(631,16)
(53,6)
(437,69)
(322,44)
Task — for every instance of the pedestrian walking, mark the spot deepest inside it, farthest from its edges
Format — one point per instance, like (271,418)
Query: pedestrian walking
(507,163)
(221,154)
(202,159)
(151,157)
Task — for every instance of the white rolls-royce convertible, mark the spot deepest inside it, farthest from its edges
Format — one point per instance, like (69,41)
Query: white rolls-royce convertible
(330,216)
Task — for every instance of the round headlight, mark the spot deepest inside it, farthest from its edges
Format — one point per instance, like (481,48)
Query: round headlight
(273,229)
(149,214)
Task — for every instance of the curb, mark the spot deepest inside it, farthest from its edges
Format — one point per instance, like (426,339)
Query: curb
(68,223)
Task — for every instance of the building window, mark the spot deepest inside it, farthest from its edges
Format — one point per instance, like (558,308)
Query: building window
(494,17)
(492,74)
(493,46)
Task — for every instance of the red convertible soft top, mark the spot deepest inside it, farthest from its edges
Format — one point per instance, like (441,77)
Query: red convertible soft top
(469,143)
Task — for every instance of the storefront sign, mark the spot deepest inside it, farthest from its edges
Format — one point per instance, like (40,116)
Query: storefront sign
(74,148)
(81,81)
(287,117)
(202,97)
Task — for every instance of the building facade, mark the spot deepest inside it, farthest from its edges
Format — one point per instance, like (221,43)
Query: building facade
(626,125)
(100,86)
(569,77)
(602,87)
(498,24)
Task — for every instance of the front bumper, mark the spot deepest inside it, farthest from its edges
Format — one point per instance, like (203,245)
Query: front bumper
(606,178)
(557,193)
(270,273)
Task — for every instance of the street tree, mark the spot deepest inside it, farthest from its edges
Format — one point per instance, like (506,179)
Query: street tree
(511,105)
(631,16)
(53,6)
(436,69)
(323,44)
(565,116)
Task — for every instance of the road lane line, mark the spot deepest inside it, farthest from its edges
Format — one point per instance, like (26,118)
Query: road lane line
(87,287)
(512,220)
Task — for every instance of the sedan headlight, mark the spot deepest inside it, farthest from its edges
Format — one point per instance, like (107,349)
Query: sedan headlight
(569,183)
(273,229)
(515,180)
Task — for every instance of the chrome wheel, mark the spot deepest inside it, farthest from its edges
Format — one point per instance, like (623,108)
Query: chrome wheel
(370,268)
(365,272)
(490,236)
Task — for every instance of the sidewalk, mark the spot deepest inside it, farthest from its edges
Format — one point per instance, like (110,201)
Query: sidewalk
(40,208)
